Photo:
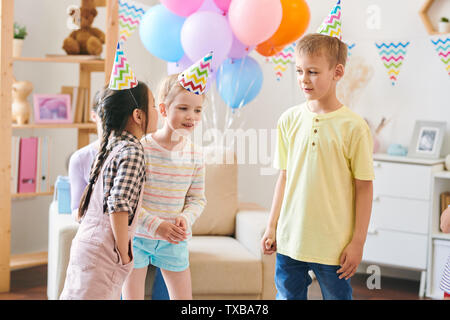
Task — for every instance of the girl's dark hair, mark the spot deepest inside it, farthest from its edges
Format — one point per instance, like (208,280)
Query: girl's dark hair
(115,108)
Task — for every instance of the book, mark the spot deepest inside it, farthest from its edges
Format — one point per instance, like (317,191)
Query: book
(78,118)
(43,169)
(27,165)
(73,93)
(15,148)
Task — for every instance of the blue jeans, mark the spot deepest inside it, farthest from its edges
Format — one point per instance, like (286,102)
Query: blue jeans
(292,280)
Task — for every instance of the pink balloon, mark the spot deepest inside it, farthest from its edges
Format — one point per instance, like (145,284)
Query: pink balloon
(255,21)
(209,5)
(238,49)
(182,7)
(223,4)
(179,66)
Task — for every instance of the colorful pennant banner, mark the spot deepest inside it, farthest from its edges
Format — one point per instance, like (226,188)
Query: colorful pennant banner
(130,15)
(392,55)
(442,47)
(282,59)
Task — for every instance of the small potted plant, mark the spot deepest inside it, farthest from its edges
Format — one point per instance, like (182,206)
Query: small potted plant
(20,32)
(444,25)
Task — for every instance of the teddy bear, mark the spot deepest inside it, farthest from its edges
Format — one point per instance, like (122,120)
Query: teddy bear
(85,40)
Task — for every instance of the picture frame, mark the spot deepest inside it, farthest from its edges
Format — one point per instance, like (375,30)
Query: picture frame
(52,108)
(427,139)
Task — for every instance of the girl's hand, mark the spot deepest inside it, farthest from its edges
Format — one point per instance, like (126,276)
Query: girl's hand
(181,222)
(170,232)
(350,259)
(268,242)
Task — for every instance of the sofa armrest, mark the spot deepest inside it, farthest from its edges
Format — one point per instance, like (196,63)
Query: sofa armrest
(251,221)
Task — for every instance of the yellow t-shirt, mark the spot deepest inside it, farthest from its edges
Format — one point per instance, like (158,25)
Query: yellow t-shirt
(322,154)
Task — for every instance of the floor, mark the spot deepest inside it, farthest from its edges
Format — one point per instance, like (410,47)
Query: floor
(31,284)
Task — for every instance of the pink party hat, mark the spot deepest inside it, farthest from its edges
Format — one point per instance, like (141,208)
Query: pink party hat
(195,77)
(331,26)
(122,77)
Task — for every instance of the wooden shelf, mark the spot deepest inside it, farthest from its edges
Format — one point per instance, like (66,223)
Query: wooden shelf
(31,195)
(28,260)
(55,126)
(62,59)
(423,13)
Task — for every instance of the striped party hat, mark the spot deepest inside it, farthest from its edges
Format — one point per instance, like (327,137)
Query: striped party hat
(195,77)
(122,77)
(331,26)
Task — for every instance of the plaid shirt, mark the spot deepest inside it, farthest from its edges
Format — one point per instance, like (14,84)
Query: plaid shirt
(124,176)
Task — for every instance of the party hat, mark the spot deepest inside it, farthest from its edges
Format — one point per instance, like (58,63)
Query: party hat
(331,26)
(122,77)
(195,77)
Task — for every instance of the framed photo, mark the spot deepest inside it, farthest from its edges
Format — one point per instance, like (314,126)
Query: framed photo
(427,139)
(52,108)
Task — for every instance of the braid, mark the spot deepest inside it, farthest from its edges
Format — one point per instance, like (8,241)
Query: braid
(102,155)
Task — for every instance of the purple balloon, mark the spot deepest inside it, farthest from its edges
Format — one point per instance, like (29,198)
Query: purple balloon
(206,31)
(179,66)
(238,49)
(209,5)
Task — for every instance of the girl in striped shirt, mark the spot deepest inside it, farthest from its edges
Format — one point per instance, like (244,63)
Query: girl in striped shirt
(173,194)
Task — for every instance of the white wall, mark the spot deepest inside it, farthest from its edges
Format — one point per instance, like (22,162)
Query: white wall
(422,91)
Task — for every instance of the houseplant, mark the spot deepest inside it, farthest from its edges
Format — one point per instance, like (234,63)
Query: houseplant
(444,25)
(20,32)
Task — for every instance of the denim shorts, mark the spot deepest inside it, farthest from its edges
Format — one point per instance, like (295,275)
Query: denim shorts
(292,280)
(161,254)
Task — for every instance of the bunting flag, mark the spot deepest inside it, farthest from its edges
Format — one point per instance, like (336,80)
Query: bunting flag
(130,15)
(350,46)
(282,59)
(195,77)
(442,47)
(332,25)
(392,55)
(122,77)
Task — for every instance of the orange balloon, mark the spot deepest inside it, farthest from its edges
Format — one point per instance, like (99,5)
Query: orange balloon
(268,50)
(295,21)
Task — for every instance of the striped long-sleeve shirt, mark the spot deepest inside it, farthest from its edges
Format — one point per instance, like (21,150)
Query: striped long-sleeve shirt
(175,182)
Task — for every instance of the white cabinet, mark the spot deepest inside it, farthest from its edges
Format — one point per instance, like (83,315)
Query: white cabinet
(398,234)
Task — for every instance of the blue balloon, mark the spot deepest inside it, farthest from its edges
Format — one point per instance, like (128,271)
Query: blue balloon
(239,81)
(160,32)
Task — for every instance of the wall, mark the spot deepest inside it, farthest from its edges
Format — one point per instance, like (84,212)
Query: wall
(421,92)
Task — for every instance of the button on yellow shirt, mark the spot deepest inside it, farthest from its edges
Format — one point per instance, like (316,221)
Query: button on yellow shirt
(322,154)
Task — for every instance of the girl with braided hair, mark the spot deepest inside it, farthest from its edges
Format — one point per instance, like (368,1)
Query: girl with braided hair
(101,254)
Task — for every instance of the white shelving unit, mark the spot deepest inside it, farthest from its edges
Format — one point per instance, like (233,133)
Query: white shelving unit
(439,242)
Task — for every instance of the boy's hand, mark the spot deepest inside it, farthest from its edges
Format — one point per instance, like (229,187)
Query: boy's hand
(171,232)
(268,242)
(350,259)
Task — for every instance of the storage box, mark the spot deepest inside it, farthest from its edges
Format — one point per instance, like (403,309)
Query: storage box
(441,251)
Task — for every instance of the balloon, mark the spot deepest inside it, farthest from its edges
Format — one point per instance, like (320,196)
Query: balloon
(209,5)
(238,49)
(179,66)
(239,81)
(159,31)
(223,4)
(254,21)
(182,8)
(294,23)
(206,31)
(268,50)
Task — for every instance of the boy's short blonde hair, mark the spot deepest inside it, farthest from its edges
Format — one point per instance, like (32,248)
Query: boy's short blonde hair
(316,44)
(169,88)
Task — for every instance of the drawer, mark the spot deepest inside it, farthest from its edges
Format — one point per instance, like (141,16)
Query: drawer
(402,180)
(397,249)
(400,214)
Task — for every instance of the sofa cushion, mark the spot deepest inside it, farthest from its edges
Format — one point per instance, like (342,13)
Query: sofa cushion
(218,217)
(221,265)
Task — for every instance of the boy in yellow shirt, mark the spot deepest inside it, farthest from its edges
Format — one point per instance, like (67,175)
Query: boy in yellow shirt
(323,197)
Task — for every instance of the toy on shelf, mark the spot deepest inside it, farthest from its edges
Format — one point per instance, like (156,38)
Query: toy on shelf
(85,40)
(20,108)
